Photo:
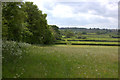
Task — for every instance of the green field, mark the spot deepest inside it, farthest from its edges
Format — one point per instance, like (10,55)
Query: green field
(32,47)
(63,61)
(107,39)
(87,42)
(90,39)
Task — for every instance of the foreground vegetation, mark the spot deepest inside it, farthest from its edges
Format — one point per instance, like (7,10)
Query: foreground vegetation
(28,50)
(63,61)
(24,22)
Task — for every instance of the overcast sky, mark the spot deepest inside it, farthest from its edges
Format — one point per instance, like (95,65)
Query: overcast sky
(80,13)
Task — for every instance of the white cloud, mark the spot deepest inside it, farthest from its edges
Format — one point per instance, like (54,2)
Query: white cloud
(62,11)
(101,13)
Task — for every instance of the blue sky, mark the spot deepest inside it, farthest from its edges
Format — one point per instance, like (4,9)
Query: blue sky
(80,13)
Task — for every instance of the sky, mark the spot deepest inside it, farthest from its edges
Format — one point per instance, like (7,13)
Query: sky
(80,13)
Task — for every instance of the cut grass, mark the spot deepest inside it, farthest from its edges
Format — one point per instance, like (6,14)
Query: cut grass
(87,42)
(62,61)
(107,39)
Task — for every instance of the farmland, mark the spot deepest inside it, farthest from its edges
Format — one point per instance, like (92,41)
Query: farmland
(80,56)
(32,48)
(90,56)
(79,36)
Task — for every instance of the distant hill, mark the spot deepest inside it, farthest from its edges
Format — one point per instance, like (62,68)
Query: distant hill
(90,30)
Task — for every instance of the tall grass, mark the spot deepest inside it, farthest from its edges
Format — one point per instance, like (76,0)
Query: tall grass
(65,61)
(13,54)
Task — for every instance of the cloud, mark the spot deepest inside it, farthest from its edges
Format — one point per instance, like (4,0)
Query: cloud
(80,12)
(62,11)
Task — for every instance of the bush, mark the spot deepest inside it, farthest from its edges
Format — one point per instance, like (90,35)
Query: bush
(84,32)
(13,51)
(81,37)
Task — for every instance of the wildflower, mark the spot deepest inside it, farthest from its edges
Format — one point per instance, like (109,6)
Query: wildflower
(78,67)
(45,73)
(14,77)
(23,69)
(96,70)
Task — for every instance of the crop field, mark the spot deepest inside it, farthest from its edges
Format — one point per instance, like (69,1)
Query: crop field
(65,61)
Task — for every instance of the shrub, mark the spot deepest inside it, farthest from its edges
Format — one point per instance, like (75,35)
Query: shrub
(81,37)
(13,51)
(84,32)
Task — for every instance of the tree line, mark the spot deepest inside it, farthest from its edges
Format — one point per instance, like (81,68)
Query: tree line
(24,22)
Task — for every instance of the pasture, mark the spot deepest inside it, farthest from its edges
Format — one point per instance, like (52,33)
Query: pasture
(65,61)
(77,38)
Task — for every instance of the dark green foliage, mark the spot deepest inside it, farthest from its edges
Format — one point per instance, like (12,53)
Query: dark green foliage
(81,37)
(13,18)
(25,22)
(38,30)
(55,32)
(4,29)
(48,37)
(84,32)
(91,30)
(69,34)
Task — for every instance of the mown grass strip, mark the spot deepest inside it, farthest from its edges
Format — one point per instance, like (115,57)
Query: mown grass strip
(89,43)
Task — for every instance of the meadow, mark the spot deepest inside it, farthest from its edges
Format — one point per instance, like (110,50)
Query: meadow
(90,56)
(31,48)
(65,61)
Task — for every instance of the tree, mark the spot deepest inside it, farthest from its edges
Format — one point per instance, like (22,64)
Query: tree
(4,29)
(98,32)
(25,22)
(55,32)
(69,34)
(84,32)
(37,24)
(48,37)
(13,18)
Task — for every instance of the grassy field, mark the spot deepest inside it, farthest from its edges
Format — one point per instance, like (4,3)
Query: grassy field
(93,36)
(87,42)
(107,39)
(90,39)
(63,61)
